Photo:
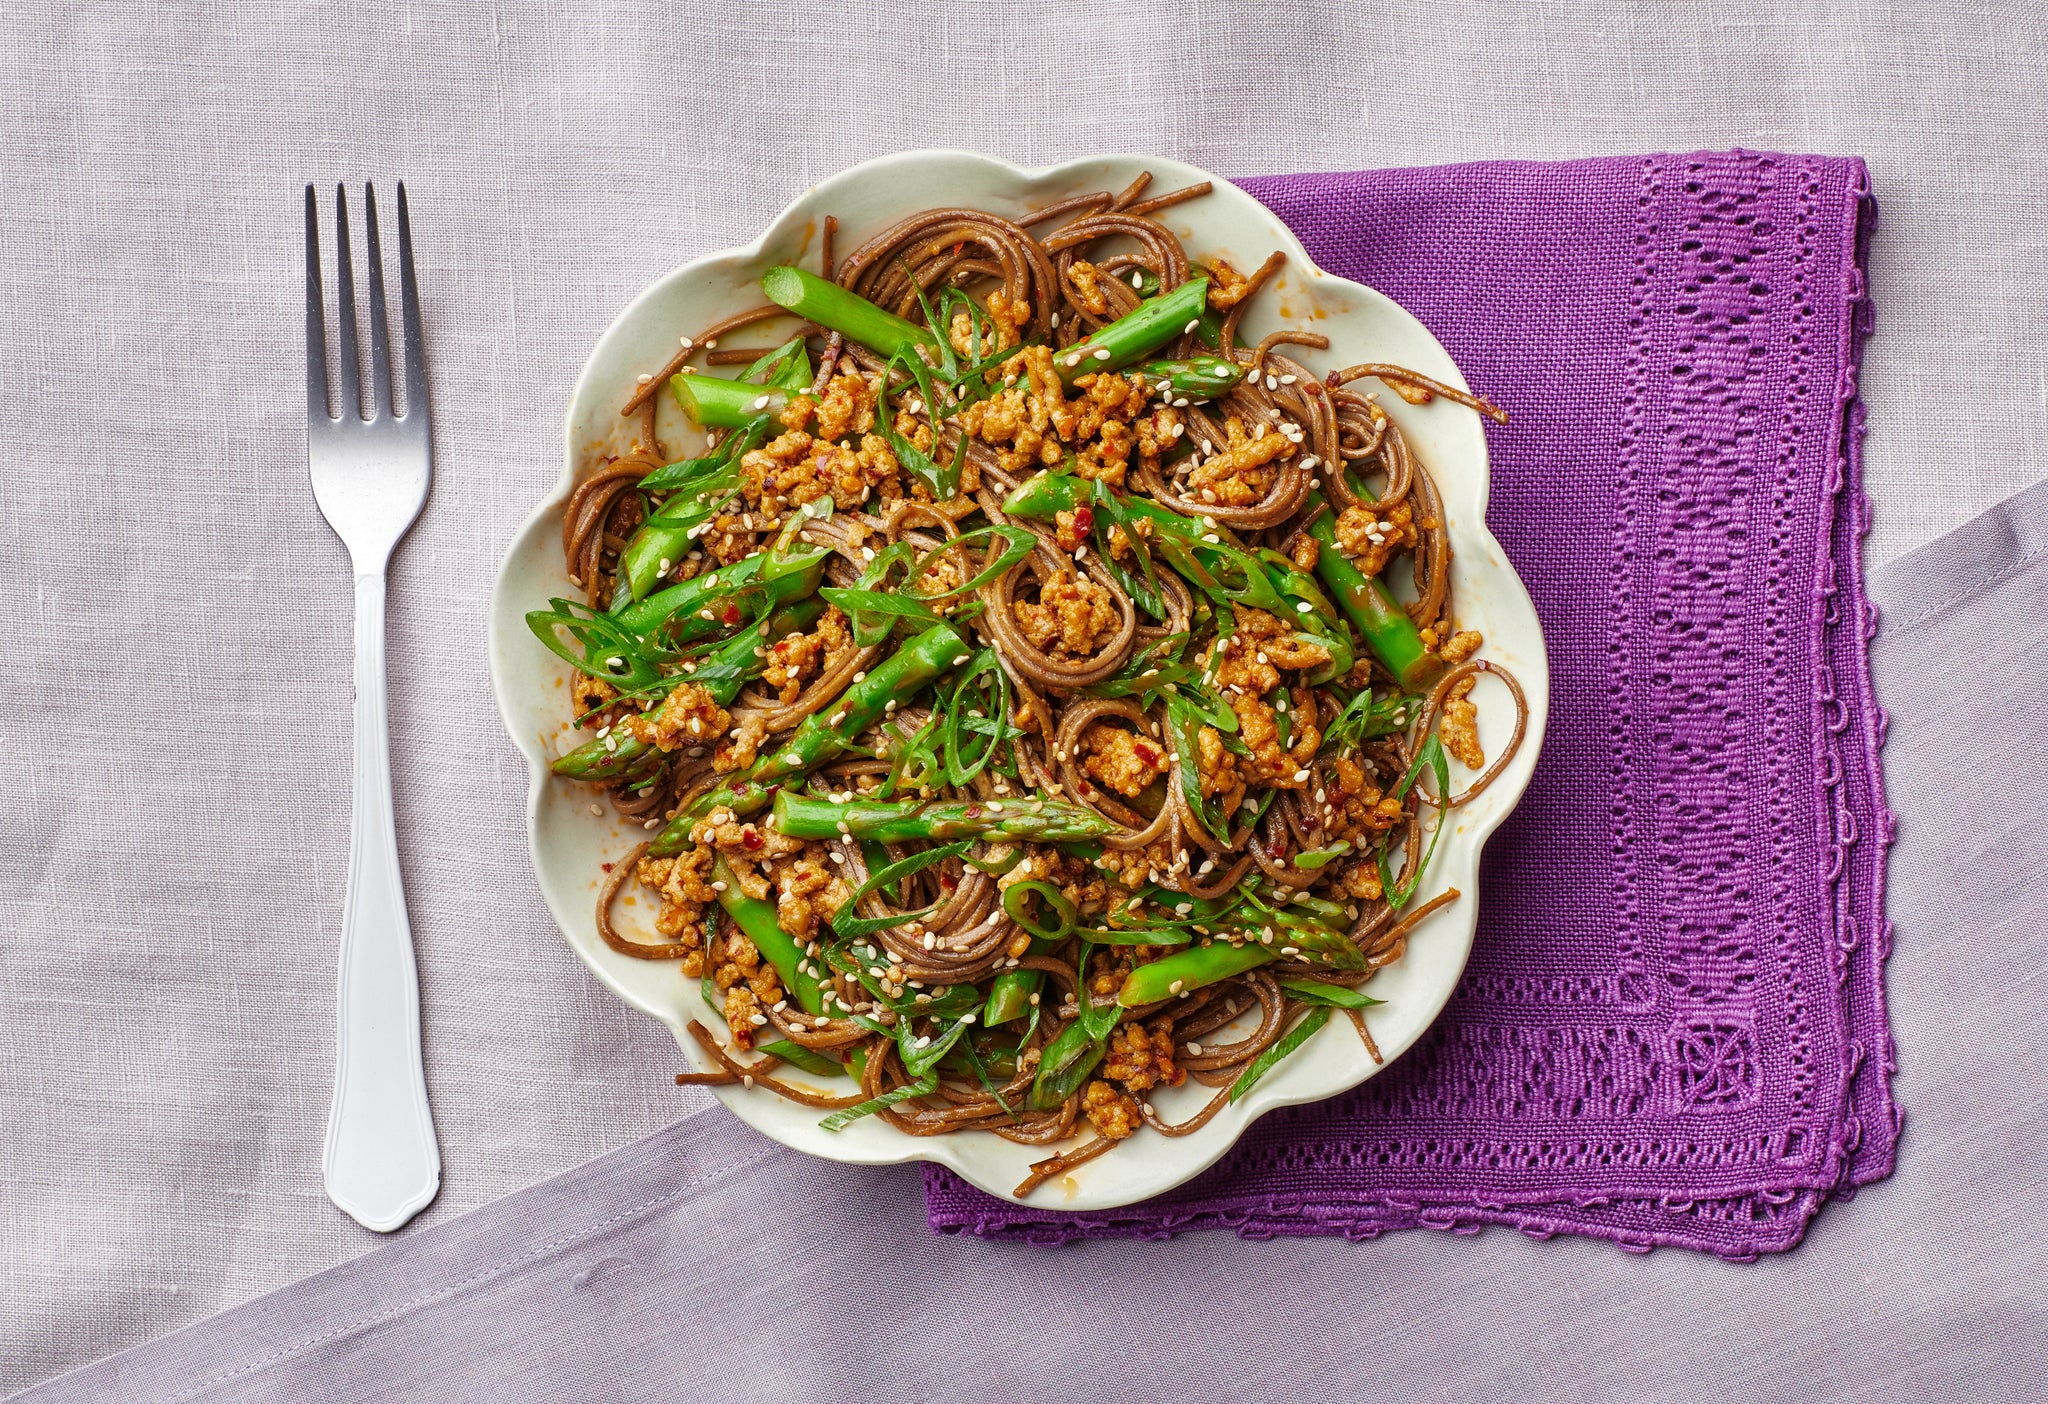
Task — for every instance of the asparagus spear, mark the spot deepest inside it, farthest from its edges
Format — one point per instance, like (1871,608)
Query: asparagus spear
(1381,621)
(713,602)
(1136,334)
(1198,378)
(1190,970)
(713,403)
(764,929)
(826,733)
(835,309)
(900,821)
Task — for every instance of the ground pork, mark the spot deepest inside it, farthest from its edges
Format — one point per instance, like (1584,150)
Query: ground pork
(1239,471)
(1270,764)
(1121,759)
(1227,286)
(688,716)
(1371,540)
(1031,423)
(1460,726)
(1217,768)
(743,747)
(684,885)
(1072,617)
(808,889)
(1086,281)
(797,658)
(1141,1056)
(1250,661)
(847,409)
(1361,810)
(1114,1114)
(795,467)
(1462,645)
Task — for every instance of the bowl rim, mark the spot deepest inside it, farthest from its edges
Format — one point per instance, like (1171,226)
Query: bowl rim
(1272,1092)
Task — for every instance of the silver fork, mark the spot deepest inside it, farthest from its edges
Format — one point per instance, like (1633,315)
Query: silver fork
(370,468)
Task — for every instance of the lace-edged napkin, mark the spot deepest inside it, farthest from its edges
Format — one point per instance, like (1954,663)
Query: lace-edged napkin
(1672,1028)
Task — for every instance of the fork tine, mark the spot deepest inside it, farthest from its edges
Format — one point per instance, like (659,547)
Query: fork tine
(351,389)
(380,329)
(316,312)
(409,295)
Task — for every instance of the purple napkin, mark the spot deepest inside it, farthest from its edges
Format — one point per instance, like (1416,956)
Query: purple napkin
(1672,1029)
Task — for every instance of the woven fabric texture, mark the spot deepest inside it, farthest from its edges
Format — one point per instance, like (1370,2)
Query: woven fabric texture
(1672,1026)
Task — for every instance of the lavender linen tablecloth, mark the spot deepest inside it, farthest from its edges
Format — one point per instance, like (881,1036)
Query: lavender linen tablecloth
(1672,1026)
(707,1263)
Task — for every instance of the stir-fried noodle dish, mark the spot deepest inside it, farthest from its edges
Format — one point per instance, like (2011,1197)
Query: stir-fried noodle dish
(1033,696)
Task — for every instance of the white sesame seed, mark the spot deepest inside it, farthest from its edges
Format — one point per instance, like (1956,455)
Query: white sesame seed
(748,1080)
(962,658)
(1272,382)
(1034,1001)
(838,857)
(1075,359)
(761,402)
(597,811)
(1101,353)
(643,378)
(1300,776)
(1196,1049)
(718,887)
(838,717)
(1288,379)
(687,343)
(1191,326)
(1055,325)
(757,1020)
(930,940)
(1304,607)
(1180,402)
(843,827)
(1176,987)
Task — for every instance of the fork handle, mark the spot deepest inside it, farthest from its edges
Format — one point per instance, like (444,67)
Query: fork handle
(381,1164)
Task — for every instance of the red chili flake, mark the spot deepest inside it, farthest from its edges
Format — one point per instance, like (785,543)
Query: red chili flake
(1310,821)
(750,838)
(958,247)
(1313,387)
(973,811)
(1145,753)
(607,867)
(1084,519)
(1331,380)
(732,613)
(946,882)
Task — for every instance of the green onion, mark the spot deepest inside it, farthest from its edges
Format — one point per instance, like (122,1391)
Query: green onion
(798,1056)
(1316,992)
(1296,1036)
(923,1087)
(1053,901)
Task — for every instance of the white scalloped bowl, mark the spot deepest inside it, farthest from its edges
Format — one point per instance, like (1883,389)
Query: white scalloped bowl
(570,843)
